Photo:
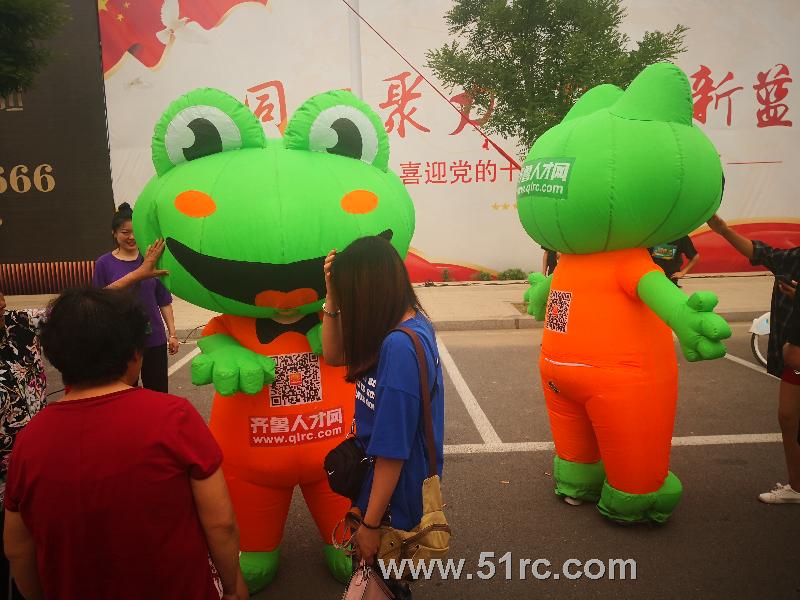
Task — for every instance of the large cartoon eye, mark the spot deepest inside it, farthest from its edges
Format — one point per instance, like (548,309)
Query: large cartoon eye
(345,131)
(203,122)
(199,131)
(339,123)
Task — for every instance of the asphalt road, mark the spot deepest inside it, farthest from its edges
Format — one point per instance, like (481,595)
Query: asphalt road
(720,543)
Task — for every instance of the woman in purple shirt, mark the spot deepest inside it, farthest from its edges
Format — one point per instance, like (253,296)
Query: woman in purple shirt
(113,267)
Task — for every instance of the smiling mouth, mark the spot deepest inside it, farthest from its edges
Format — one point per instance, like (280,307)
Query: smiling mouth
(243,281)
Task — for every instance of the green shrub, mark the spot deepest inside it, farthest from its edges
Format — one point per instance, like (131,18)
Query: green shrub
(481,276)
(512,275)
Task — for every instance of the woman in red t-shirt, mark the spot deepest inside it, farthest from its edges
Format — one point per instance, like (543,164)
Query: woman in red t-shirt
(116,491)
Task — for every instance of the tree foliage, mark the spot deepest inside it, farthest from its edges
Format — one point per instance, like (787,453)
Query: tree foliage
(536,57)
(24,26)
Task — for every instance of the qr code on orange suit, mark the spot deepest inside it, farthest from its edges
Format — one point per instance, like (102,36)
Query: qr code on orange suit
(297,380)
(558,311)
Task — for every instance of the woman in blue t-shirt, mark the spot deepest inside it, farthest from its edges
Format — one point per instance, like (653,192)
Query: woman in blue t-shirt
(368,295)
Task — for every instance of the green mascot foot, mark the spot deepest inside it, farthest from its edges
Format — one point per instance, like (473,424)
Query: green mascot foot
(577,480)
(339,564)
(641,508)
(259,568)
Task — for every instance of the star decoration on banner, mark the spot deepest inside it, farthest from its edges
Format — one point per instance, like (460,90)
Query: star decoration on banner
(102,5)
(503,206)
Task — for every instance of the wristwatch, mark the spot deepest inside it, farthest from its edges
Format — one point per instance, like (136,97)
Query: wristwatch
(332,315)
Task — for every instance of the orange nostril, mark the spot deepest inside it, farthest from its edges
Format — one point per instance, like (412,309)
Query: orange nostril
(197,204)
(359,202)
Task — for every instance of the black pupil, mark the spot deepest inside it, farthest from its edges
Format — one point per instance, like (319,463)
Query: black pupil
(206,139)
(350,142)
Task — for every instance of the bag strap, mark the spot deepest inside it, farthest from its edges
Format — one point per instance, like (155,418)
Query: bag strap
(425,398)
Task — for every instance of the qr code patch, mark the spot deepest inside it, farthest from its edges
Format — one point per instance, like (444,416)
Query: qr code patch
(297,380)
(558,311)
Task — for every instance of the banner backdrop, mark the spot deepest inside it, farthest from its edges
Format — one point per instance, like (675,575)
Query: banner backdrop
(273,54)
(55,185)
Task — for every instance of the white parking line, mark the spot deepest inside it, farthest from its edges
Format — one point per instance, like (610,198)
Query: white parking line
(748,364)
(479,418)
(179,364)
(692,440)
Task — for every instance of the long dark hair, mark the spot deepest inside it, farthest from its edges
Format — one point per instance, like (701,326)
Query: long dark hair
(374,293)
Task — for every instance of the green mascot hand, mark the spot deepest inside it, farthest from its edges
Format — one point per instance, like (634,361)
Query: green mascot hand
(314,337)
(700,330)
(231,367)
(536,295)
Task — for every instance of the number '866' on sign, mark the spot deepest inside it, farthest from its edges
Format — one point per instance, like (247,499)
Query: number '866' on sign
(21,180)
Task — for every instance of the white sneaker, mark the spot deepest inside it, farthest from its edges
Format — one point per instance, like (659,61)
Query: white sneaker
(573,501)
(781,494)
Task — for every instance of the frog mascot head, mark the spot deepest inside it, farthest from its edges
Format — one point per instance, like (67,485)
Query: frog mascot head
(623,171)
(247,223)
(248,220)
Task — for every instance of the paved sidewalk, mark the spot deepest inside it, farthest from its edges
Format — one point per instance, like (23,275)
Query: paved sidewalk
(490,305)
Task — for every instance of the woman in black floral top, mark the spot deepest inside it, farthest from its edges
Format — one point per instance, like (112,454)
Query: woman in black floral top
(22,390)
(783,262)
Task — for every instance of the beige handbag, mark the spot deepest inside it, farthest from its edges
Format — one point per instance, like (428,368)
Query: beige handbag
(431,538)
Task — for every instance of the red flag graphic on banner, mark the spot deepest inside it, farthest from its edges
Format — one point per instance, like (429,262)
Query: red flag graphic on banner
(145,28)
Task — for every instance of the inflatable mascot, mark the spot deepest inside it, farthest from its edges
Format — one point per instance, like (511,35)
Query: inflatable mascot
(623,171)
(247,223)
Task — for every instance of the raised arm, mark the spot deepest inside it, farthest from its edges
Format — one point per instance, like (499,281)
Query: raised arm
(743,245)
(332,345)
(144,271)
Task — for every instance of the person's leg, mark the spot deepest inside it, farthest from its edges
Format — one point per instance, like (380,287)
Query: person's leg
(154,369)
(789,420)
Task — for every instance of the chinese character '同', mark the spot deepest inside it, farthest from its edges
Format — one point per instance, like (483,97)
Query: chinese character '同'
(466,100)
(770,91)
(264,96)
(398,97)
(702,89)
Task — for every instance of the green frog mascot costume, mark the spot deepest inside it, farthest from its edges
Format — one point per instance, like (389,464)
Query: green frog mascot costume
(623,171)
(248,222)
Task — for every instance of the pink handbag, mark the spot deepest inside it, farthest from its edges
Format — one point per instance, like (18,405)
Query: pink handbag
(367,584)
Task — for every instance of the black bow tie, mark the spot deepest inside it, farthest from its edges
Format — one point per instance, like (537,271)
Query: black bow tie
(268,329)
